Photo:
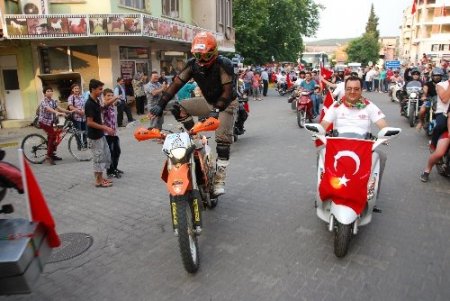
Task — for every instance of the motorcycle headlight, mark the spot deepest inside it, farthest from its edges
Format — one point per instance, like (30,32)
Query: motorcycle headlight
(413,95)
(178,153)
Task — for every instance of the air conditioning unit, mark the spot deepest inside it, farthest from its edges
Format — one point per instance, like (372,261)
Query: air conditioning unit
(34,7)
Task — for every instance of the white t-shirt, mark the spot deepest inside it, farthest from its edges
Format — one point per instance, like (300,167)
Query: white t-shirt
(353,120)
(339,92)
(440,106)
(281,78)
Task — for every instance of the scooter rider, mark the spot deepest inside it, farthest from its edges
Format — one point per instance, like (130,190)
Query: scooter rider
(355,114)
(214,75)
(429,93)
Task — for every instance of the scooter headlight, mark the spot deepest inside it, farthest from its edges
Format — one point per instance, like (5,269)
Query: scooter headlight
(413,95)
(178,153)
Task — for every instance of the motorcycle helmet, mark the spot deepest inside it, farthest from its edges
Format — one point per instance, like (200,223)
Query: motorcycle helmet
(436,75)
(204,48)
(415,72)
(437,72)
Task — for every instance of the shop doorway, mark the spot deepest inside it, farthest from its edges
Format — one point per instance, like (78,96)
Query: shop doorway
(9,81)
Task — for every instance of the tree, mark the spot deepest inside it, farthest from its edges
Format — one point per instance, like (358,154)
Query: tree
(372,23)
(366,48)
(266,28)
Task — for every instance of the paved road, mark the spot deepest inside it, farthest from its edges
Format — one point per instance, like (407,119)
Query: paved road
(263,241)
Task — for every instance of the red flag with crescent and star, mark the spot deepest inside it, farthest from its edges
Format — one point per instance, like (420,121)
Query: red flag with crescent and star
(348,164)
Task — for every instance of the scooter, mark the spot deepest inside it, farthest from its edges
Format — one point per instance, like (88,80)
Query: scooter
(304,106)
(189,175)
(341,175)
(395,91)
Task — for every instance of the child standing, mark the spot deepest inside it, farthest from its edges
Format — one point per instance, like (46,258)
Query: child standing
(109,113)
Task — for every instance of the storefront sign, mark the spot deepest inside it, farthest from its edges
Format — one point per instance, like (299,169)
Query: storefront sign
(127,69)
(103,25)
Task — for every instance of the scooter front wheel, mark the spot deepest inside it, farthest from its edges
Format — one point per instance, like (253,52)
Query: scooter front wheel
(342,236)
(301,118)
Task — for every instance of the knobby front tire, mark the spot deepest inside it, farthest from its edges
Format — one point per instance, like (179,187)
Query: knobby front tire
(34,148)
(187,239)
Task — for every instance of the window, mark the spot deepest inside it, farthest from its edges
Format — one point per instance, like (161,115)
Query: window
(435,47)
(139,4)
(224,15)
(171,8)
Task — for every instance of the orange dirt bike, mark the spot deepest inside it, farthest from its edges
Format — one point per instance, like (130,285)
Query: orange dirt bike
(189,175)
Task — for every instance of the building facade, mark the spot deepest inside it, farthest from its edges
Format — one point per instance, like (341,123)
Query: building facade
(427,30)
(58,42)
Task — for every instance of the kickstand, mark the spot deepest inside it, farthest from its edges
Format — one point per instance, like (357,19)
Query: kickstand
(377,210)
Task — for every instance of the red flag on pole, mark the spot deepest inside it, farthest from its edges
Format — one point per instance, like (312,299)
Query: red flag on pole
(38,209)
(348,164)
(327,102)
(326,73)
(414,8)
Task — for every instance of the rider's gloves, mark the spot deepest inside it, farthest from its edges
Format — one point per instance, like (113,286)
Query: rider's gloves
(156,110)
(214,113)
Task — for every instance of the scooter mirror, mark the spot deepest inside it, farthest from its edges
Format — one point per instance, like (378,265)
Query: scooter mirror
(315,128)
(388,132)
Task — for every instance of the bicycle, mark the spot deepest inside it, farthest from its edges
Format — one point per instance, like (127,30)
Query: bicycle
(35,145)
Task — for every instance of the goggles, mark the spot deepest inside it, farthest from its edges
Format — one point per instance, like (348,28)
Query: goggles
(205,57)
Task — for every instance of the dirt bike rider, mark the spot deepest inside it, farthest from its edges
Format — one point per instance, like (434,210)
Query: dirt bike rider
(429,94)
(415,76)
(214,75)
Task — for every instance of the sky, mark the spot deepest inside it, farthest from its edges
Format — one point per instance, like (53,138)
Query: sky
(347,18)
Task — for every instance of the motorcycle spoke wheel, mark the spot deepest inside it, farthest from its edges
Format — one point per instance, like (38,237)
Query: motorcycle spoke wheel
(80,150)
(34,148)
(187,238)
(342,237)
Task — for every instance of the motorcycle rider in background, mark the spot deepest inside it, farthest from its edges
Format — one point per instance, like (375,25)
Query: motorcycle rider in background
(440,138)
(396,78)
(415,76)
(429,93)
(214,75)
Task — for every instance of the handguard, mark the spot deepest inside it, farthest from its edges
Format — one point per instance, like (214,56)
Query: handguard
(142,134)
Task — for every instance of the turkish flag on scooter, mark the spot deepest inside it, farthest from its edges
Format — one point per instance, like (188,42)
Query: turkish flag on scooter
(348,164)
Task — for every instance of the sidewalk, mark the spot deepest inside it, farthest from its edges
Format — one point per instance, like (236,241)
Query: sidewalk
(12,137)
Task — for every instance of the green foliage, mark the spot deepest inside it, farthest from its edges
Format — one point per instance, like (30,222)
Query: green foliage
(266,28)
(366,48)
(372,23)
(363,49)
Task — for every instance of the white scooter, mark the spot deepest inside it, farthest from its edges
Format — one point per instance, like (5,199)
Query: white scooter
(344,217)
(395,91)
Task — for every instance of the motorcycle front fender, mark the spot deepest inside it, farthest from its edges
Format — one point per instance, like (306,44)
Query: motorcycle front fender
(177,179)
(343,214)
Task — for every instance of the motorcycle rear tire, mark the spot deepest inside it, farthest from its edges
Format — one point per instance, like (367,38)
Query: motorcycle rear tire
(187,238)
(342,237)
(412,115)
(301,118)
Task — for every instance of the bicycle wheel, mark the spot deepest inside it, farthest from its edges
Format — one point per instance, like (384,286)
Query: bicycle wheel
(34,148)
(79,149)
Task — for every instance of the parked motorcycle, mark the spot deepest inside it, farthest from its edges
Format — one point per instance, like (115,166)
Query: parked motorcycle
(410,105)
(189,175)
(304,106)
(348,180)
(395,91)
